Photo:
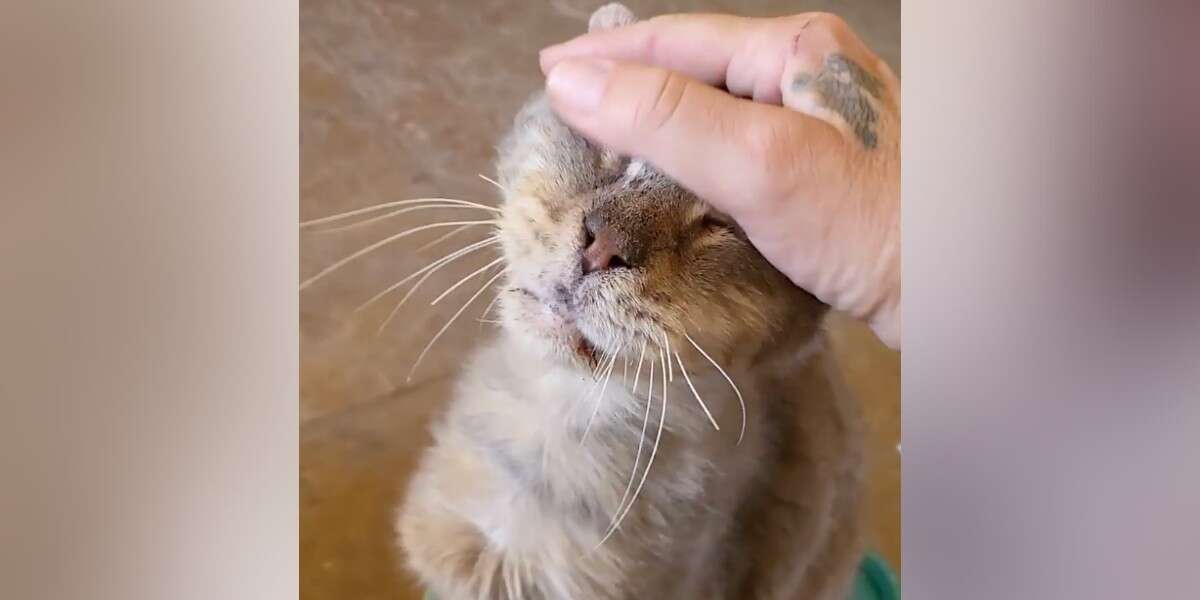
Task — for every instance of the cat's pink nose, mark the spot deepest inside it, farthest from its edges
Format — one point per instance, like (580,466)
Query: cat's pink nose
(600,250)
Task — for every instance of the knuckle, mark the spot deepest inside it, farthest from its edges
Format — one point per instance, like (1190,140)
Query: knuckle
(827,22)
(659,108)
(817,34)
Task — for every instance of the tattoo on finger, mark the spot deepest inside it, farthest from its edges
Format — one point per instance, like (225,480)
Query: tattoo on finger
(846,88)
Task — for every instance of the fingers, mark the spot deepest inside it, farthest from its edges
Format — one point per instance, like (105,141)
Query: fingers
(736,154)
(700,46)
(746,56)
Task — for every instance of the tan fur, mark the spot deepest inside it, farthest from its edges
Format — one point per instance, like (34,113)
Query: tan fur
(513,499)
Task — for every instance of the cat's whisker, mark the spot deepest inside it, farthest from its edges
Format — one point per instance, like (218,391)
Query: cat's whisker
(605,357)
(638,372)
(432,266)
(601,365)
(466,279)
(404,299)
(600,398)
(653,451)
(487,309)
(442,238)
(683,369)
(385,205)
(357,224)
(384,242)
(670,369)
(741,401)
(409,294)
(636,375)
(637,459)
(493,182)
(598,376)
(596,369)
(611,365)
(450,322)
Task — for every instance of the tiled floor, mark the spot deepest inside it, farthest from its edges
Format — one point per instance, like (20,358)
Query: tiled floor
(405,100)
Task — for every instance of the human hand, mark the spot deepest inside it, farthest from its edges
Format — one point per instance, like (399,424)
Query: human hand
(791,126)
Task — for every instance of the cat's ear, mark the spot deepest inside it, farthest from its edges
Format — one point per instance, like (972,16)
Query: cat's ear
(544,157)
(611,16)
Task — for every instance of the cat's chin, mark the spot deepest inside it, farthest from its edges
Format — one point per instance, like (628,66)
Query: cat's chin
(567,348)
(549,330)
(586,352)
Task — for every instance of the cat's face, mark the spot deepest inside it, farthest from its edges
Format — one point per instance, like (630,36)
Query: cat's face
(605,254)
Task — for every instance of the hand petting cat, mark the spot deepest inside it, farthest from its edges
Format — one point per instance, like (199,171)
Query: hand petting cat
(789,125)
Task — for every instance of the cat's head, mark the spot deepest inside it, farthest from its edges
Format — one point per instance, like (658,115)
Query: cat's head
(605,254)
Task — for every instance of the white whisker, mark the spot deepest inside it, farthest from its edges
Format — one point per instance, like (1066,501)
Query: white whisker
(441,331)
(601,365)
(637,459)
(611,364)
(605,367)
(741,401)
(600,398)
(683,370)
(636,375)
(466,279)
(381,243)
(404,299)
(487,309)
(429,268)
(492,181)
(377,207)
(653,451)
(442,238)
(670,369)
(638,372)
(364,222)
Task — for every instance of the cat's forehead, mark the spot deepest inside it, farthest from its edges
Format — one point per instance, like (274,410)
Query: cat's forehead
(550,166)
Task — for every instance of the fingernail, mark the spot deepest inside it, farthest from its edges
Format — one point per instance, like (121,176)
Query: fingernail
(579,83)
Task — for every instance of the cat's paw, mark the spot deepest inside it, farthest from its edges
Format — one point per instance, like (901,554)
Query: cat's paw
(611,16)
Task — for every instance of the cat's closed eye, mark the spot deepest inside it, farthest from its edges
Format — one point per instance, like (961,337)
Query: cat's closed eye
(712,221)
(715,223)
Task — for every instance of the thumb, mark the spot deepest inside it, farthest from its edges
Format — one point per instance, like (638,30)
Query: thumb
(736,154)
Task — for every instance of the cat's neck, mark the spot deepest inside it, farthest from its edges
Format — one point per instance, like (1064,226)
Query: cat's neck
(571,400)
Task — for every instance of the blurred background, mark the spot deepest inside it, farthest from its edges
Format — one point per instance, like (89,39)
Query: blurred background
(406,100)
(148,262)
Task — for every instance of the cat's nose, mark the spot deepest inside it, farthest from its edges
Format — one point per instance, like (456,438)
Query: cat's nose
(601,248)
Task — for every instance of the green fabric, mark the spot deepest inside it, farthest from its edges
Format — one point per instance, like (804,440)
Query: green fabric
(875,580)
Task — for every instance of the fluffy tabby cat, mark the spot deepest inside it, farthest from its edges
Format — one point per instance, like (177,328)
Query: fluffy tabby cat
(581,456)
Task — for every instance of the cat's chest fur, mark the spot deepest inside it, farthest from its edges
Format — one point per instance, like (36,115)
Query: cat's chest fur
(513,493)
(553,464)
(569,449)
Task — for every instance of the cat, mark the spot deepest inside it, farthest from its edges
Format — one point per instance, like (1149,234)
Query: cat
(658,416)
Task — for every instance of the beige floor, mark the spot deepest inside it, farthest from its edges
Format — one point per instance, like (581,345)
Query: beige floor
(405,100)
